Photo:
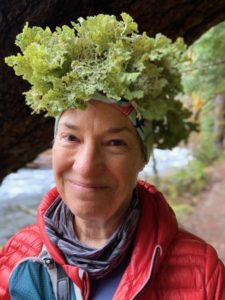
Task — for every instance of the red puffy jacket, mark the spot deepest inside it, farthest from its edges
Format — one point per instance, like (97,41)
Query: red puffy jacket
(166,263)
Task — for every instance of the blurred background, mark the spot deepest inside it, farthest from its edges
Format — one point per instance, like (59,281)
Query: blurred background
(191,175)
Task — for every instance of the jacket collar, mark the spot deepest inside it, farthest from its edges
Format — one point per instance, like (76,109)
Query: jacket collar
(155,231)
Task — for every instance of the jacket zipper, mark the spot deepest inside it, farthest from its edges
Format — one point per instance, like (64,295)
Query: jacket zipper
(157,250)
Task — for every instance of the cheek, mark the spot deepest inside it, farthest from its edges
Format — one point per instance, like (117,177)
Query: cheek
(60,161)
(126,174)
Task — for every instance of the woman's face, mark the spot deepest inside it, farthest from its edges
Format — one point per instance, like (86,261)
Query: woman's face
(96,160)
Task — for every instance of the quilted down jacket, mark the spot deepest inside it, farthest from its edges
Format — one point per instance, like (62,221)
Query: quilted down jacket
(166,263)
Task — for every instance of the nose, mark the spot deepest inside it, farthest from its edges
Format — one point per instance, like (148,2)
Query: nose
(89,160)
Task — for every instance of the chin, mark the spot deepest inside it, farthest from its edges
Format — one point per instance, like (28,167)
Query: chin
(89,213)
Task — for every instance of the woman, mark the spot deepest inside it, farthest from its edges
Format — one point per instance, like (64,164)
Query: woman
(100,234)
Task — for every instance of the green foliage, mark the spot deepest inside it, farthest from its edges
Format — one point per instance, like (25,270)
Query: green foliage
(189,180)
(204,77)
(204,74)
(67,67)
(182,183)
(206,150)
(181,210)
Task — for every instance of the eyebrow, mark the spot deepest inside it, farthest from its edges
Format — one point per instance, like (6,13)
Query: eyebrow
(119,129)
(109,130)
(70,126)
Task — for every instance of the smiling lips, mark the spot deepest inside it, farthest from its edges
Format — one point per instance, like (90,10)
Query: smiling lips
(87,186)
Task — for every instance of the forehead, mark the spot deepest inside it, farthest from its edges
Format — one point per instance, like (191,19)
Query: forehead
(96,115)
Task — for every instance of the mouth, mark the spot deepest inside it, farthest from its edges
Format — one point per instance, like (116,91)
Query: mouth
(82,186)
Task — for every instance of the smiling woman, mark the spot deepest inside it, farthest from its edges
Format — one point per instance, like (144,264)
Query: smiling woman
(92,156)
(101,234)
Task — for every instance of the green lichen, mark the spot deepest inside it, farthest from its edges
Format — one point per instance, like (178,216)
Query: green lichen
(103,55)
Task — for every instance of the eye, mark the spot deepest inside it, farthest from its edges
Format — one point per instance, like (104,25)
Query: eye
(70,138)
(117,143)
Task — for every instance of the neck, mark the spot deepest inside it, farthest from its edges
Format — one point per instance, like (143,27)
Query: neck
(94,233)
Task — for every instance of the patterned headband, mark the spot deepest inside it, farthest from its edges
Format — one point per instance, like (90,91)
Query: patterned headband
(142,126)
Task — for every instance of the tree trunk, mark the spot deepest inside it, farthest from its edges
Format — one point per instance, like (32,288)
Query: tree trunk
(219,125)
(22,135)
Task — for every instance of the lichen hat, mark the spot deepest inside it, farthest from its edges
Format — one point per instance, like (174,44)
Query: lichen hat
(102,55)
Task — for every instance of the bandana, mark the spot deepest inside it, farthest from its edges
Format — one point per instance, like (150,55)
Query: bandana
(97,262)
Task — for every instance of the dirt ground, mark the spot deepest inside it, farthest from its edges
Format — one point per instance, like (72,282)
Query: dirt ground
(208,217)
